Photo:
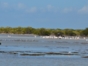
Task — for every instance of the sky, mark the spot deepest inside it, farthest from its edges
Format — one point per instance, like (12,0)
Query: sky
(55,14)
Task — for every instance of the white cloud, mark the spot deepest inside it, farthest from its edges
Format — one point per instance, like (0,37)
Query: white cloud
(83,10)
(4,5)
(32,10)
(21,6)
(49,7)
(66,10)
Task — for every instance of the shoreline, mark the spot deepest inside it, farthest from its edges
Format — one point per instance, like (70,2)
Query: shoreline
(45,37)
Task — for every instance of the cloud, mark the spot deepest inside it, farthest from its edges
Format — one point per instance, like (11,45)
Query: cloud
(66,10)
(21,5)
(4,5)
(83,10)
(18,7)
(49,7)
(32,10)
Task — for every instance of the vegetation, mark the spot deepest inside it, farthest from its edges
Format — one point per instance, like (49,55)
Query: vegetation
(44,31)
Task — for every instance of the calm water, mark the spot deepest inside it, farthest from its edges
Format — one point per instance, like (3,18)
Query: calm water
(28,50)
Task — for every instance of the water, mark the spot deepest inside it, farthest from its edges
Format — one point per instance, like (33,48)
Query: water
(26,50)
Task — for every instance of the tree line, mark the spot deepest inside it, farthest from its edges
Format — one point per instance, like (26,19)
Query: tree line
(44,31)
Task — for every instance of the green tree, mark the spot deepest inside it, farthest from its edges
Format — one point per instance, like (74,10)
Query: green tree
(85,32)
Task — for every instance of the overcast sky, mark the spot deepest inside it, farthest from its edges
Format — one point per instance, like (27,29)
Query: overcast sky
(44,13)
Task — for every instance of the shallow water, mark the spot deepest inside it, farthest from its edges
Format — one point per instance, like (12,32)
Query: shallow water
(38,51)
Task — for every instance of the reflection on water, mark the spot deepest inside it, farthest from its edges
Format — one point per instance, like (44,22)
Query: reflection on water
(44,51)
(24,46)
